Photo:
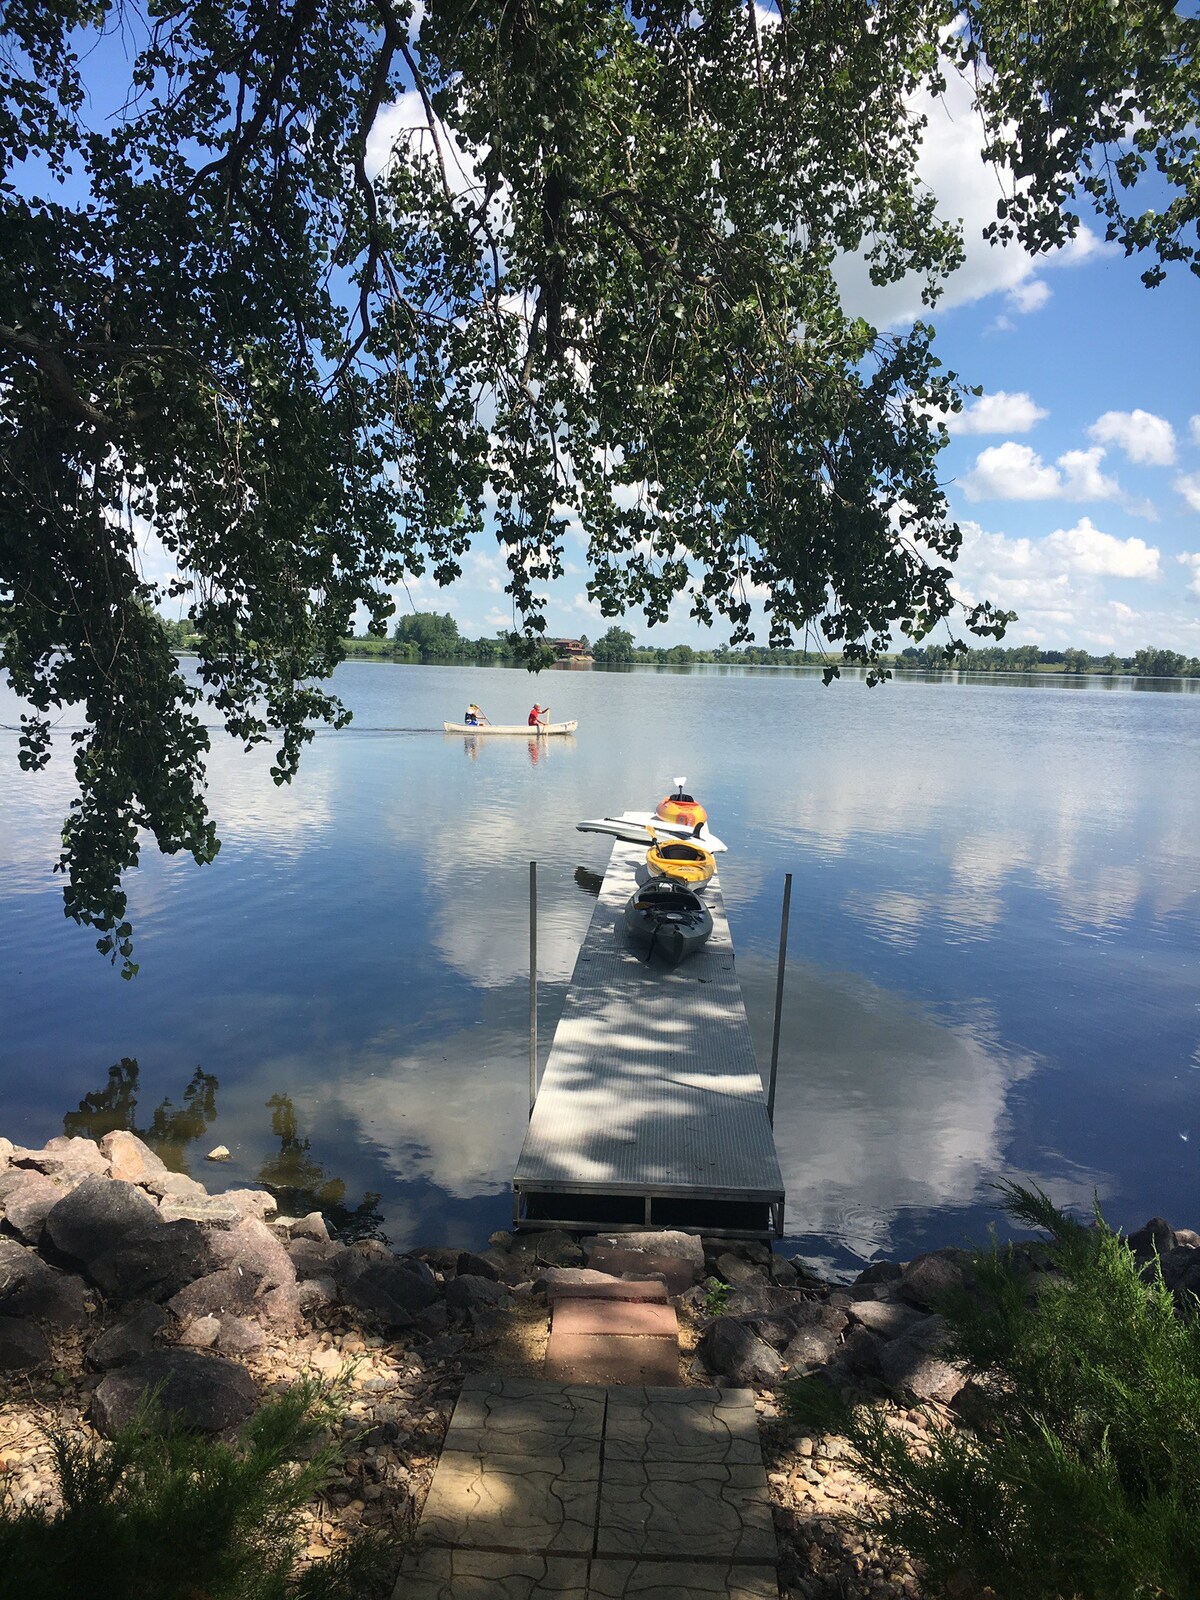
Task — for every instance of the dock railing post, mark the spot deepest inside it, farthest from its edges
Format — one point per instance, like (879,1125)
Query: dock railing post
(783,935)
(533,1044)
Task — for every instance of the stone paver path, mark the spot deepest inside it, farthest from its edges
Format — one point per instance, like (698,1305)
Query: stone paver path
(585,1492)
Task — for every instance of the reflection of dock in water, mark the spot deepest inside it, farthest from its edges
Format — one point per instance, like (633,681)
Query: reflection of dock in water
(651,1111)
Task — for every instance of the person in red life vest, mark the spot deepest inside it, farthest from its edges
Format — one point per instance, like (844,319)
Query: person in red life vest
(539,716)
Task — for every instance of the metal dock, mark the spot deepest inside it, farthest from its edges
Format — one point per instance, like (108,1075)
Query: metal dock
(651,1111)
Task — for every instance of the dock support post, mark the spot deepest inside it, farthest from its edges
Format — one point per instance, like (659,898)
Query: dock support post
(783,934)
(533,1044)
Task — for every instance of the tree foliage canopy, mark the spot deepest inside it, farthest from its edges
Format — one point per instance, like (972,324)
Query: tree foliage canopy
(313,350)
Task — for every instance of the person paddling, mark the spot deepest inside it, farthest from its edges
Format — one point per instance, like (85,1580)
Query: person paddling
(539,717)
(475,718)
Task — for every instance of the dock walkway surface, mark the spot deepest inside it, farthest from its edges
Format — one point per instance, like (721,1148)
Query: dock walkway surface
(651,1110)
(581,1492)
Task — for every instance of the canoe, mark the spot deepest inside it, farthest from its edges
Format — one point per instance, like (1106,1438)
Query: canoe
(682,861)
(510,727)
(667,920)
(641,827)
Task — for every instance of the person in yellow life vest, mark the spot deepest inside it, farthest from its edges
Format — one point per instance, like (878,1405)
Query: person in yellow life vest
(475,718)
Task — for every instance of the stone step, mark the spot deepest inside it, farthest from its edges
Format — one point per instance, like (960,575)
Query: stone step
(605,1288)
(677,1273)
(625,1317)
(607,1358)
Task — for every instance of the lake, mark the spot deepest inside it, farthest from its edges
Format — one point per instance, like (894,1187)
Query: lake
(994,966)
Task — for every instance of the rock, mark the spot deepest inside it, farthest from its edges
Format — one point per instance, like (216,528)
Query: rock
(201,1392)
(810,1347)
(311,1258)
(734,1270)
(152,1263)
(281,1308)
(973,1405)
(97,1216)
(516,1268)
(552,1248)
(253,1202)
(925,1280)
(1157,1237)
(312,1293)
(23,1345)
(130,1158)
(730,1350)
(312,1226)
(885,1318)
(251,1247)
(501,1239)
(391,1292)
(6,1149)
(880,1272)
(30,1288)
(859,1354)
(359,1256)
(128,1340)
(468,1294)
(479,1267)
(214,1210)
(227,1289)
(220,1153)
(783,1273)
(68,1160)
(1186,1236)
(914,1365)
(1177,1264)
(666,1242)
(174,1186)
(29,1201)
(1186,1284)
(237,1337)
(201,1334)
(562,1277)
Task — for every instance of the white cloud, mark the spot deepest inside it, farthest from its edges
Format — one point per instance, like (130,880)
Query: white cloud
(998,413)
(1194,429)
(1086,549)
(1029,296)
(1191,560)
(1011,471)
(1188,485)
(1145,438)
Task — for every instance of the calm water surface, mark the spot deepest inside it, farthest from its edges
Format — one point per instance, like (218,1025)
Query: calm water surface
(994,957)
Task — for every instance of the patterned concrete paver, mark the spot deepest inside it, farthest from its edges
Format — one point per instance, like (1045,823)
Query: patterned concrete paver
(682,1425)
(701,1510)
(511,1502)
(680,1580)
(548,1491)
(438,1574)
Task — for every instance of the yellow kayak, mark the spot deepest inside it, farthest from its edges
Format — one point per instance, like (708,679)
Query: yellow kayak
(681,860)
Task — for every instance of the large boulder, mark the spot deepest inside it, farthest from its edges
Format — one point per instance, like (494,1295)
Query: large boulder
(23,1345)
(28,1197)
(30,1288)
(251,1247)
(860,1354)
(201,1392)
(733,1269)
(887,1319)
(729,1349)
(226,1290)
(1177,1264)
(916,1365)
(314,1258)
(393,1292)
(96,1216)
(1154,1238)
(926,1280)
(810,1347)
(214,1210)
(130,1158)
(665,1242)
(152,1263)
(879,1272)
(469,1294)
(127,1340)
(70,1160)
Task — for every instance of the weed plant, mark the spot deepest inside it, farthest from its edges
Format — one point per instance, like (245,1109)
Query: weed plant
(161,1513)
(1081,1477)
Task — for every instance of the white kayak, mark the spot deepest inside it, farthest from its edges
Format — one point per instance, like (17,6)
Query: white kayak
(510,727)
(635,826)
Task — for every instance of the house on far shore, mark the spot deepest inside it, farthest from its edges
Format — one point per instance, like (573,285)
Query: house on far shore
(570,650)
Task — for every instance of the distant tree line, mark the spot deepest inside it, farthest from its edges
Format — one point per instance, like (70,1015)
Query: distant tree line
(430,636)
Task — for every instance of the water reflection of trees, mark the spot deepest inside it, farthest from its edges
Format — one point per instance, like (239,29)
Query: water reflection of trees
(171,1128)
(300,1185)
